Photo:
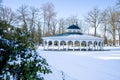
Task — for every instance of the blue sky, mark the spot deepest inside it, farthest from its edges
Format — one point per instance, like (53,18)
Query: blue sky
(64,8)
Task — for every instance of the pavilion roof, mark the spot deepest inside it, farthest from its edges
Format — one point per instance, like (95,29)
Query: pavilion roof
(72,35)
(69,33)
(73,27)
(76,37)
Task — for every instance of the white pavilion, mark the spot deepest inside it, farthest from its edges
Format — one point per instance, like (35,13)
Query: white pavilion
(74,40)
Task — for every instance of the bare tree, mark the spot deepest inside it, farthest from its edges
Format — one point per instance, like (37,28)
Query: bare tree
(61,25)
(28,18)
(53,27)
(44,13)
(23,16)
(118,24)
(6,14)
(73,20)
(104,25)
(112,22)
(48,14)
(84,27)
(33,20)
(118,19)
(94,19)
(118,3)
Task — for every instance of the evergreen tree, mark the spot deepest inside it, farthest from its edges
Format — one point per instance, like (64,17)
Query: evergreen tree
(18,57)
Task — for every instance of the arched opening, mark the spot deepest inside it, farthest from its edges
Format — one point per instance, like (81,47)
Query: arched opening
(45,44)
(55,44)
(100,45)
(90,45)
(63,45)
(83,45)
(95,45)
(77,45)
(70,45)
(50,45)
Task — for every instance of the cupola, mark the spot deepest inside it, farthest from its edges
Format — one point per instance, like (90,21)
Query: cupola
(73,29)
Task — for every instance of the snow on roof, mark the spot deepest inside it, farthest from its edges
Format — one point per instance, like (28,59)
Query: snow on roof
(69,33)
(75,37)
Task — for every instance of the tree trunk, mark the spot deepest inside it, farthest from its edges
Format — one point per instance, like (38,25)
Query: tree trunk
(48,29)
(44,28)
(119,38)
(105,38)
(95,31)
(114,37)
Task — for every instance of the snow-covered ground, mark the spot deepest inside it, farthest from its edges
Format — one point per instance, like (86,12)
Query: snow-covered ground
(83,65)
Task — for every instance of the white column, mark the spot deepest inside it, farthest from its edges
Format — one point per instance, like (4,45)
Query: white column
(47,44)
(52,45)
(80,45)
(73,45)
(92,45)
(97,45)
(58,45)
(87,45)
(63,45)
(66,45)
(44,44)
(100,45)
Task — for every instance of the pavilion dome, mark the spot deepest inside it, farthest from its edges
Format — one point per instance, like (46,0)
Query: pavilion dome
(73,29)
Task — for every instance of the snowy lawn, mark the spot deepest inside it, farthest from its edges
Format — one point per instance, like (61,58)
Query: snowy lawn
(83,65)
